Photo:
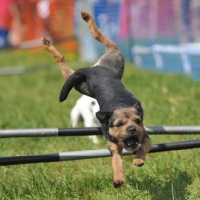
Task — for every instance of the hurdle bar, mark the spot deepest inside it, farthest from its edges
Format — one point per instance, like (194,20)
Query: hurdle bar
(52,132)
(88,154)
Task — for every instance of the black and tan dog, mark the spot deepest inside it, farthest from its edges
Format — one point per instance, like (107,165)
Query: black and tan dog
(121,114)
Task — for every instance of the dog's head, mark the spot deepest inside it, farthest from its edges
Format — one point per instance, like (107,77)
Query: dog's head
(125,126)
(94,106)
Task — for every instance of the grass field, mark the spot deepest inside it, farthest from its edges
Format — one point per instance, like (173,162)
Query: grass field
(31,101)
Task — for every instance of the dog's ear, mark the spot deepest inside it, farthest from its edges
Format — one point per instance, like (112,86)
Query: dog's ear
(139,109)
(104,116)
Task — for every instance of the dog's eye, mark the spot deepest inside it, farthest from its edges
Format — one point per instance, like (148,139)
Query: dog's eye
(93,103)
(119,124)
(138,121)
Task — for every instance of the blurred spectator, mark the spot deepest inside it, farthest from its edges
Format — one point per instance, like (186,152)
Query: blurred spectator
(43,10)
(29,17)
(9,18)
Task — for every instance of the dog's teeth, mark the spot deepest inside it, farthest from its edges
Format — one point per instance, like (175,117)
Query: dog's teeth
(131,141)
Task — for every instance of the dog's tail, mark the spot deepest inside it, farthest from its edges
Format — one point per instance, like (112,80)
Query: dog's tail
(69,84)
(75,80)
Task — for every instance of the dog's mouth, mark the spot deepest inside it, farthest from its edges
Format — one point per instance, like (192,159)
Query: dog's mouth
(131,142)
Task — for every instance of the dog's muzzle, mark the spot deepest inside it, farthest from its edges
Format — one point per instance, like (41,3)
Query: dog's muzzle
(132,142)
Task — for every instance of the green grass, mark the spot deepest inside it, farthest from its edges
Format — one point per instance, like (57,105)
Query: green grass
(31,101)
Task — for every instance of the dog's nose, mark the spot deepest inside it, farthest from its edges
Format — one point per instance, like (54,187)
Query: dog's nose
(132,129)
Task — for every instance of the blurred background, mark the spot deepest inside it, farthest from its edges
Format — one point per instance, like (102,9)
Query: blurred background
(153,34)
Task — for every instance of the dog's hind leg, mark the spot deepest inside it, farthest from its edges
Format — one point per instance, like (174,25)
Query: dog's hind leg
(97,34)
(113,57)
(65,70)
(75,116)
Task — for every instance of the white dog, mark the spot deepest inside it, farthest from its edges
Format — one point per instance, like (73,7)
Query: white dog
(85,110)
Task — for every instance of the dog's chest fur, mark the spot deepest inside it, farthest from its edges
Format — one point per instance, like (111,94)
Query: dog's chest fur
(108,89)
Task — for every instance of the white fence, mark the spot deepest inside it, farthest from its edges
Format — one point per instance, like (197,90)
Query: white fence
(157,51)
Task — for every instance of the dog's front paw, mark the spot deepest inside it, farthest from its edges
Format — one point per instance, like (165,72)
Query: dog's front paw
(86,16)
(139,162)
(45,41)
(118,183)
